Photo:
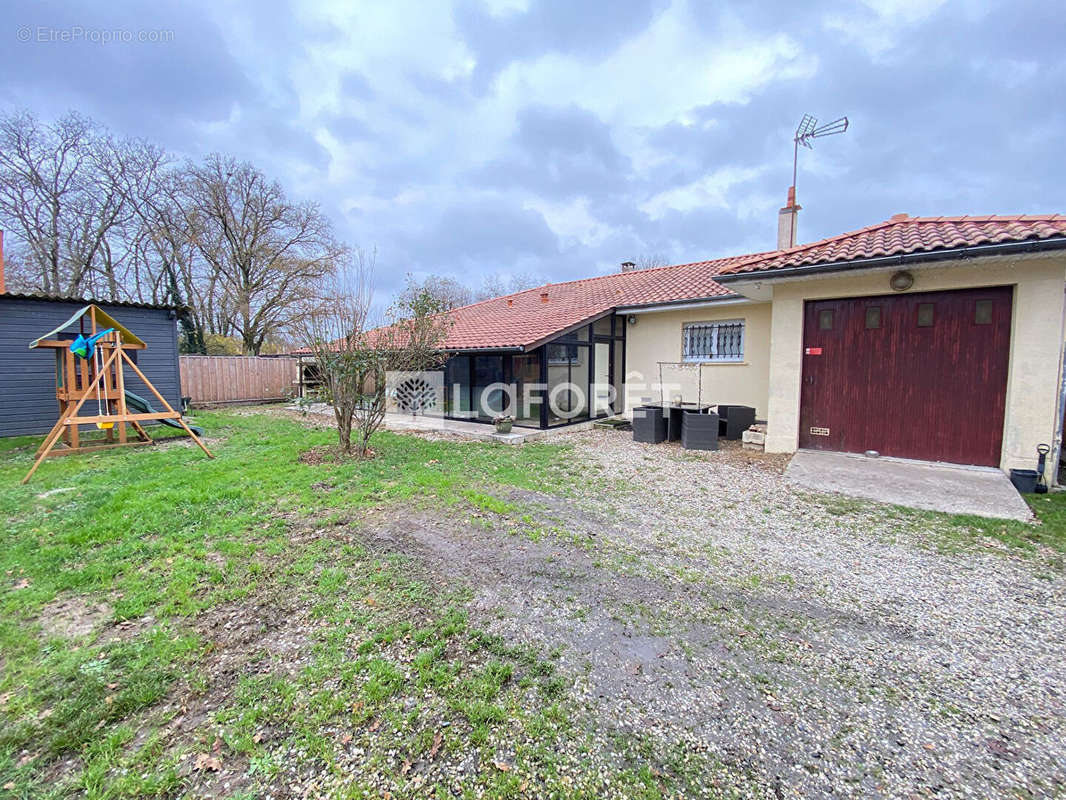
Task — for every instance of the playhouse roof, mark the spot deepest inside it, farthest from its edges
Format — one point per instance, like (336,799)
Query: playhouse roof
(103,320)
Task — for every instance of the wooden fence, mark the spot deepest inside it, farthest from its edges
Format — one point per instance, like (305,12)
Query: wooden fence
(237,379)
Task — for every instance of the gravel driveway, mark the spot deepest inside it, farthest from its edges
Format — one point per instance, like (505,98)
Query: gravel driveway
(824,646)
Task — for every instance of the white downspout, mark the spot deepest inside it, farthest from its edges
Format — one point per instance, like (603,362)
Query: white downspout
(1060,407)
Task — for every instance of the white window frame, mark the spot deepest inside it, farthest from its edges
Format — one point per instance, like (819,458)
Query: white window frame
(713,357)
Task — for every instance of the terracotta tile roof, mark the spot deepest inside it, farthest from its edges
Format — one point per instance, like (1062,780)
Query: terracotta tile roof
(904,235)
(523,319)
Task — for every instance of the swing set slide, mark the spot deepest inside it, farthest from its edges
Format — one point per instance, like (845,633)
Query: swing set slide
(142,406)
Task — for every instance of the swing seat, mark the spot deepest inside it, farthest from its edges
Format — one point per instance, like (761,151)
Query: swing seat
(105,426)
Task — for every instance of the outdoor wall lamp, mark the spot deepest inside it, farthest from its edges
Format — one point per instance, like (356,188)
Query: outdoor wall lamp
(901,281)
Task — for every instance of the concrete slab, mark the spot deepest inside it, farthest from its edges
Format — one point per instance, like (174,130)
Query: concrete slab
(984,492)
(478,431)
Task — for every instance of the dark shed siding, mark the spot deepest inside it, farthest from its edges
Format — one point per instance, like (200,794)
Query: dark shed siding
(27,377)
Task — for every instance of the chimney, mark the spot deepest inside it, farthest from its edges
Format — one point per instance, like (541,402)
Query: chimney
(628,266)
(544,297)
(510,302)
(3,289)
(786,222)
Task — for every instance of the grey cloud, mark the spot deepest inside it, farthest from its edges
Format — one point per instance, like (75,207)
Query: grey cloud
(558,152)
(958,115)
(355,85)
(585,28)
(462,239)
(347,127)
(488,229)
(146,86)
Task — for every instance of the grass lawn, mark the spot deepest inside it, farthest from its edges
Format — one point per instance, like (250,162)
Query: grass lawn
(128,580)
(176,626)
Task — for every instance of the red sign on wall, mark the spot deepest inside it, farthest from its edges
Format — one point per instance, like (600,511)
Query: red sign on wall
(813,351)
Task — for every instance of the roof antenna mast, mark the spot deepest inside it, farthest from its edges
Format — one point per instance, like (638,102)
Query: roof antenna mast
(806,131)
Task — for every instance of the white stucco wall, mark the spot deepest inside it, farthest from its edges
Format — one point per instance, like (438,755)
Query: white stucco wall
(657,337)
(1035,350)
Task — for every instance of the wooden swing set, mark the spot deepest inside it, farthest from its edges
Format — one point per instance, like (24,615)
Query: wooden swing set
(91,367)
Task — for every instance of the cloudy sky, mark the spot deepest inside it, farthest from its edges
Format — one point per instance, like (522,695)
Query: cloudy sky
(472,137)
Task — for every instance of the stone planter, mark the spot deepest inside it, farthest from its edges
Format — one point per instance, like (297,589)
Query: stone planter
(504,426)
(699,431)
(734,420)
(649,424)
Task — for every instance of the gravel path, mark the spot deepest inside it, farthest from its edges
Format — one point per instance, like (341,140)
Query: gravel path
(818,643)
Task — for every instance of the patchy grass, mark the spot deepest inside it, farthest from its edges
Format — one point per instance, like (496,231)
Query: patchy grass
(1048,533)
(382,685)
(957,532)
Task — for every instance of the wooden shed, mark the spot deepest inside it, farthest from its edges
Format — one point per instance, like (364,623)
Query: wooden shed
(27,377)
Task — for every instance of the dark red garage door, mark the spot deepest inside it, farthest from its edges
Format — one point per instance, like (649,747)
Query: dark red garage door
(916,375)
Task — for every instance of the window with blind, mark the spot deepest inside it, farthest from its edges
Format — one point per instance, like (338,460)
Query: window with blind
(714,341)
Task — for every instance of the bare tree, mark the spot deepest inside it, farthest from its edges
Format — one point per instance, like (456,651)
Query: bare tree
(44,170)
(94,215)
(19,276)
(447,291)
(335,331)
(353,361)
(651,261)
(172,231)
(496,285)
(267,251)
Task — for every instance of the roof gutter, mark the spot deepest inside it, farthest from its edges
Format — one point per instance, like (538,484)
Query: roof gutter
(680,305)
(518,348)
(952,254)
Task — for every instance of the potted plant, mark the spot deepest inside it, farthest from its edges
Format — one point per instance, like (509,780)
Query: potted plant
(503,423)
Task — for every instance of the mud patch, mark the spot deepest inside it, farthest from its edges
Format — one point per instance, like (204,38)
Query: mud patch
(72,617)
(260,634)
(638,642)
(184,440)
(331,454)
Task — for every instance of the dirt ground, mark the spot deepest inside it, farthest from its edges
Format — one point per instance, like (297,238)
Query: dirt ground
(827,648)
(813,645)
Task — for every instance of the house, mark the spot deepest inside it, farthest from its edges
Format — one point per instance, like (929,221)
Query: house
(934,338)
(28,377)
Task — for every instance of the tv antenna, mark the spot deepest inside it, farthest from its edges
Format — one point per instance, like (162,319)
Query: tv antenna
(808,130)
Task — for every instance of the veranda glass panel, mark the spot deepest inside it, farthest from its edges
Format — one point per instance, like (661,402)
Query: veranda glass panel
(488,402)
(525,371)
(568,369)
(457,387)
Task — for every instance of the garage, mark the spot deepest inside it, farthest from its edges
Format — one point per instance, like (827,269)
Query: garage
(920,375)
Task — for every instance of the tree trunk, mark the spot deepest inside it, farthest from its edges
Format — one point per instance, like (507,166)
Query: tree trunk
(344,427)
